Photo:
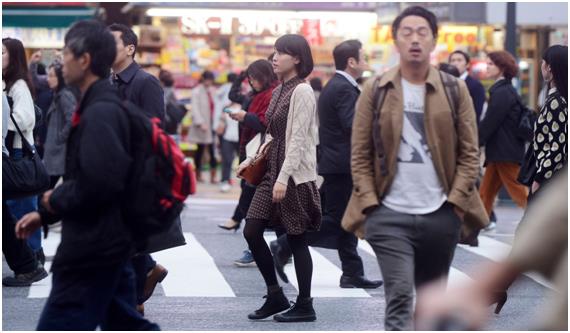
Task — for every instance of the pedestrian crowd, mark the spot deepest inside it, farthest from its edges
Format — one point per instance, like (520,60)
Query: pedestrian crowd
(395,159)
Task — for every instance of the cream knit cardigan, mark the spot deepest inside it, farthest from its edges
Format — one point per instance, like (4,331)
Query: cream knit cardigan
(301,138)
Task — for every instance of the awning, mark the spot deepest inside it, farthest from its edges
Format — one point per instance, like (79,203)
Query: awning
(35,17)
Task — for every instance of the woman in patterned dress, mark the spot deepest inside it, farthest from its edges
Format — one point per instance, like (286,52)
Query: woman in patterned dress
(287,195)
(551,128)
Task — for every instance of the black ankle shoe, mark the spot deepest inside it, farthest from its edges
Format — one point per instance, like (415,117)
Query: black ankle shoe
(275,302)
(301,311)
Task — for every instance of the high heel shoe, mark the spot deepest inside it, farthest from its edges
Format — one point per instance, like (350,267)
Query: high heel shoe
(499,297)
(235,227)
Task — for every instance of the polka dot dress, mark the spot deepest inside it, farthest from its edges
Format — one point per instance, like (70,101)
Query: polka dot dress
(550,131)
(300,210)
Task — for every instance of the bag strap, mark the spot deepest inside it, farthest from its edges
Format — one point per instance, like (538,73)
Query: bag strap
(377,102)
(451,87)
(25,142)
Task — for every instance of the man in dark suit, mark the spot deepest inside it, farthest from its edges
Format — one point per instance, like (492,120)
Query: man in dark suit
(336,112)
(461,60)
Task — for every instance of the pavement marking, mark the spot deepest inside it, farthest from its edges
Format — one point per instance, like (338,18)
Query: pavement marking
(456,277)
(42,288)
(498,251)
(214,202)
(193,272)
(326,276)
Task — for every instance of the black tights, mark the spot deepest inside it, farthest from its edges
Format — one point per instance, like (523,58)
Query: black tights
(253,233)
(200,153)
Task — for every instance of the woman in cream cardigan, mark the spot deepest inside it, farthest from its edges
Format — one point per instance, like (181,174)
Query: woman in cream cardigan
(287,195)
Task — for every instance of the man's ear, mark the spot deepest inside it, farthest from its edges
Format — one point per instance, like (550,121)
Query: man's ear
(85,61)
(131,50)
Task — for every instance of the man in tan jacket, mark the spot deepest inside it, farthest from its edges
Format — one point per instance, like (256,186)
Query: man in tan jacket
(414,181)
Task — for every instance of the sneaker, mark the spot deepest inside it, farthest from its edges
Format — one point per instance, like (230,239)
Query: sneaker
(246,260)
(301,311)
(225,187)
(491,226)
(25,279)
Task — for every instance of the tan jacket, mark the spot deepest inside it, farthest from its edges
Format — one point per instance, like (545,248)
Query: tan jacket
(454,149)
(301,138)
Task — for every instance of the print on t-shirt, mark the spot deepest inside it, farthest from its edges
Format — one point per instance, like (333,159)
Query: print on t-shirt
(414,148)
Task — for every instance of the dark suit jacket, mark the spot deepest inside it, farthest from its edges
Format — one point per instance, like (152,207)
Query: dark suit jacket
(336,112)
(477,92)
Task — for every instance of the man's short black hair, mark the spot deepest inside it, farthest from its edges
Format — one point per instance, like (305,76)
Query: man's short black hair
(465,55)
(449,69)
(93,37)
(297,46)
(345,50)
(416,11)
(128,36)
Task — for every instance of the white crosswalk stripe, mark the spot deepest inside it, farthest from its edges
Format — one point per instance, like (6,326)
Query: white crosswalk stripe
(193,272)
(326,277)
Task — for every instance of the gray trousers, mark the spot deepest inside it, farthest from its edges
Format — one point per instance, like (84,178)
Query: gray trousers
(412,250)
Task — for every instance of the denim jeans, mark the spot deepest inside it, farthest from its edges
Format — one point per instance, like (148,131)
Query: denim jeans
(21,207)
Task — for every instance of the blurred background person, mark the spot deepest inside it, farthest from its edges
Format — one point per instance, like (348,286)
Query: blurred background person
(227,130)
(17,83)
(317,85)
(504,148)
(43,98)
(462,62)
(202,131)
(175,111)
(58,122)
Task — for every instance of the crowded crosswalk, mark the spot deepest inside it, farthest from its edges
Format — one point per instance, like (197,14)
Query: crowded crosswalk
(202,272)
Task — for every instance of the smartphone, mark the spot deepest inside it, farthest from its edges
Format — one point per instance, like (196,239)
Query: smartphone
(228,110)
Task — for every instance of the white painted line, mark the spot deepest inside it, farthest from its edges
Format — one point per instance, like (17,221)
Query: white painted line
(498,251)
(326,276)
(214,202)
(51,243)
(456,277)
(42,288)
(192,272)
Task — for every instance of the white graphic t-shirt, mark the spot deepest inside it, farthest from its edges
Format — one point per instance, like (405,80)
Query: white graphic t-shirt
(416,188)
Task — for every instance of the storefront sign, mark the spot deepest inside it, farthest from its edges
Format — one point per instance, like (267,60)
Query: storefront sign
(37,37)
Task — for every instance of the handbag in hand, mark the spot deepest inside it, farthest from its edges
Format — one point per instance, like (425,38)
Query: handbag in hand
(23,177)
(257,150)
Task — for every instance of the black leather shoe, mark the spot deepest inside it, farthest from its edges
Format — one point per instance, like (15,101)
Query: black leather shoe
(301,311)
(359,282)
(275,302)
(279,260)
(25,279)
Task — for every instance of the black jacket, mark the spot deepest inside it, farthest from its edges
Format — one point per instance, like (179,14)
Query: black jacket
(497,131)
(88,200)
(477,92)
(142,89)
(336,112)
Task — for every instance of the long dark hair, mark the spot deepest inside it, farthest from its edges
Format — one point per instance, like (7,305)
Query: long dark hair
(556,57)
(262,71)
(18,66)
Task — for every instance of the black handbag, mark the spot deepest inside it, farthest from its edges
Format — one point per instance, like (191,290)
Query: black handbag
(528,168)
(23,177)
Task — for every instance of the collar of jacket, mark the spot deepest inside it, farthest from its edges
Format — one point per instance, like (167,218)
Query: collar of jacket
(394,77)
(500,83)
(97,90)
(128,73)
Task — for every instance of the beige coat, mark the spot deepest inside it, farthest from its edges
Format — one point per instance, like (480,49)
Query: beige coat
(201,114)
(454,149)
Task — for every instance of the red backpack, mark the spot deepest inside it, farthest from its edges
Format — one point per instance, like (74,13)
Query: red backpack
(160,178)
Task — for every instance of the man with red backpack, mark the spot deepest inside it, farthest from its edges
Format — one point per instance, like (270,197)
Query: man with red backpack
(93,278)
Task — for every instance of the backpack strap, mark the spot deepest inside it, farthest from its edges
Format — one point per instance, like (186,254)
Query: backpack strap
(377,102)
(451,87)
